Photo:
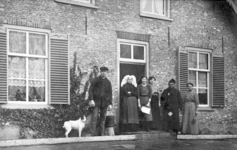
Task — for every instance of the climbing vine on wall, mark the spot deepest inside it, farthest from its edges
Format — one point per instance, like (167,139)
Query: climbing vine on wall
(47,123)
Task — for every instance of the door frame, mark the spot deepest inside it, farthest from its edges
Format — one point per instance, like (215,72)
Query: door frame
(146,56)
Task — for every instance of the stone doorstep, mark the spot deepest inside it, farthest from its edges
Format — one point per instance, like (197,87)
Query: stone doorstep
(28,142)
(136,136)
(207,137)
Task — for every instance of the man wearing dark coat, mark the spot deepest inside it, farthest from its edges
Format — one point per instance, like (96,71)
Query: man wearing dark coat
(172,103)
(100,97)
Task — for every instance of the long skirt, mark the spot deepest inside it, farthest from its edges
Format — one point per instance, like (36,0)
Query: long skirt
(130,110)
(145,117)
(189,127)
(155,110)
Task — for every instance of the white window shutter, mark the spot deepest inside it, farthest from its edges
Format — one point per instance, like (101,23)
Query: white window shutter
(59,69)
(3,65)
(218,82)
(182,69)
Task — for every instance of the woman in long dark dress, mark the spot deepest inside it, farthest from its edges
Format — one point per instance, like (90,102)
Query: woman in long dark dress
(130,119)
(144,99)
(155,109)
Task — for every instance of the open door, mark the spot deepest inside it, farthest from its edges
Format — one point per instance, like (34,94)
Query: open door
(138,70)
(133,58)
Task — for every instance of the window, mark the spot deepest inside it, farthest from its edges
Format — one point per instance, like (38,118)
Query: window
(155,8)
(85,3)
(27,66)
(206,71)
(132,52)
(199,72)
(34,67)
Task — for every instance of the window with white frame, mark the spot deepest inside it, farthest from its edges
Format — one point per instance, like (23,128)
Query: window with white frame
(155,8)
(27,66)
(199,72)
(132,52)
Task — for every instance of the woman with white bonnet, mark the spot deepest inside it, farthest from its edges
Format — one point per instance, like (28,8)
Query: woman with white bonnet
(130,119)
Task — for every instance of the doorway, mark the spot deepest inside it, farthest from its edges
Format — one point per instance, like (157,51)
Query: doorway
(133,58)
(138,70)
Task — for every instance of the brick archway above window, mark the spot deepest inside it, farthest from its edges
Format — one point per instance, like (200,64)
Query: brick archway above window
(133,36)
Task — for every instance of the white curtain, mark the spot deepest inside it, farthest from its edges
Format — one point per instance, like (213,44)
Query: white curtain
(16,67)
(203,61)
(16,82)
(202,79)
(192,60)
(159,7)
(146,5)
(36,68)
(192,77)
(37,44)
(17,42)
(33,83)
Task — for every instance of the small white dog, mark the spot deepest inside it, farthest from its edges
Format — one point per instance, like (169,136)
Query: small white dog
(77,124)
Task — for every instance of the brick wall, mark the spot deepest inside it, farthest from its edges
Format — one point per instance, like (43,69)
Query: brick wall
(195,23)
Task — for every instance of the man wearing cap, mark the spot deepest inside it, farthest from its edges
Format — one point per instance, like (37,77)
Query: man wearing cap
(171,103)
(100,97)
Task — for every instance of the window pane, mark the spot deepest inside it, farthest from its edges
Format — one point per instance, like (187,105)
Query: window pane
(36,68)
(37,44)
(203,61)
(125,51)
(17,42)
(138,52)
(192,60)
(16,67)
(159,7)
(37,91)
(192,77)
(202,95)
(16,90)
(147,5)
(202,79)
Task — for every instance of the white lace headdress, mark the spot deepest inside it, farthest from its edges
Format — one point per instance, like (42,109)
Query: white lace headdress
(125,80)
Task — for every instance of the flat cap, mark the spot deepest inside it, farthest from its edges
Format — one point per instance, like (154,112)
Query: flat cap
(104,69)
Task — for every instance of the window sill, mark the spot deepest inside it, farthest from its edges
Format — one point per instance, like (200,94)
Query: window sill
(205,109)
(26,106)
(156,16)
(77,3)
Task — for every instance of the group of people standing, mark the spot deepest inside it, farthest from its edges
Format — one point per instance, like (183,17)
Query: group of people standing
(136,98)
(142,107)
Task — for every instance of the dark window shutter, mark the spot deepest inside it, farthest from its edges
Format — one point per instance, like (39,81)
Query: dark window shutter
(182,69)
(218,82)
(59,69)
(3,65)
